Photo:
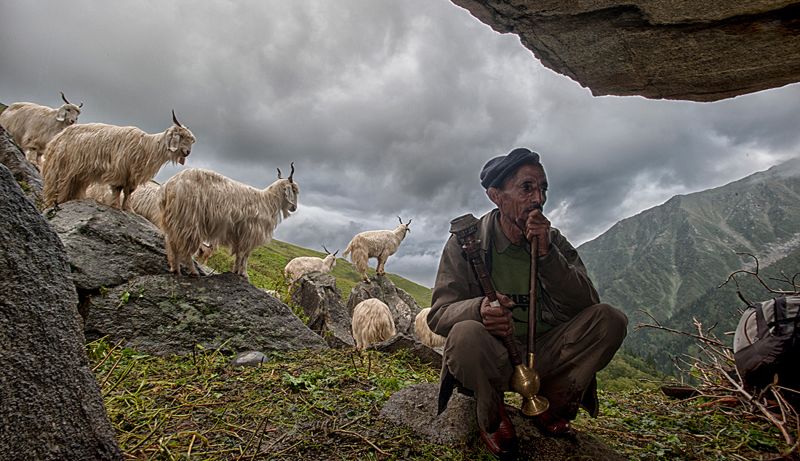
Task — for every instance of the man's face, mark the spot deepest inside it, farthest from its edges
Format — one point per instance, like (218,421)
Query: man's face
(522,192)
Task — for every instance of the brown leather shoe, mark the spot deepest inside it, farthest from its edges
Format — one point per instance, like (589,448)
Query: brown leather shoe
(553,425)
(502,442)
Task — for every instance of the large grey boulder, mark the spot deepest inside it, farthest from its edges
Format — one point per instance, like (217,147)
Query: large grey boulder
(168,314)
(24,172)
(321,302)
(106,246)
(402,305)
(700,51)
(415,408)
(50,404)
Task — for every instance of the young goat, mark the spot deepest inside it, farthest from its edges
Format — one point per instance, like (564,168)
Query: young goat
(303,265)
(372,323)
(423,331)
(32,125)
(121,156)
(378,244)
(205,206)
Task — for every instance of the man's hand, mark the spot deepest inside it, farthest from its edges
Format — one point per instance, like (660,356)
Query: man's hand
(497,319)
(538,226)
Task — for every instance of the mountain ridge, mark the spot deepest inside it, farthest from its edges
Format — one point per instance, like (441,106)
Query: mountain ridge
(668,257)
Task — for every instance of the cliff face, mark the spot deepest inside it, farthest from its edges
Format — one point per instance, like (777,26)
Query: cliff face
(699,51)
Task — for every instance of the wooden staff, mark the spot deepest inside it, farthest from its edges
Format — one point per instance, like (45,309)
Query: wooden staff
(524,379)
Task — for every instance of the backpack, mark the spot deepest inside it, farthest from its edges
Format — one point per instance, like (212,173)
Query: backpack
(767,342)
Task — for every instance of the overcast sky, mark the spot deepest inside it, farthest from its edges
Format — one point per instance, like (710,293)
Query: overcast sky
(386,107)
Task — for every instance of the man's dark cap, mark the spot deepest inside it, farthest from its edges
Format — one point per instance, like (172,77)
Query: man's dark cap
(499,168)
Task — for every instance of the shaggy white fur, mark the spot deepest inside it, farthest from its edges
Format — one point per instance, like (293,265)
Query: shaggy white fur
(123,157)
(146,202)
(205,206)
(32,126)
(303,265)
(372,323)
(378,244)
(423,331)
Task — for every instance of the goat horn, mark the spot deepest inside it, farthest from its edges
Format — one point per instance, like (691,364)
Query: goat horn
(335,253)
(408,223)
(175,119)
(291,173)
(326,250)
(279,173)
(80,105)
(401,221)
(64,97)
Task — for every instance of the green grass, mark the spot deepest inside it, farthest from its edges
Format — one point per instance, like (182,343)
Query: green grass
(325,405)
(646,425)
(266,264)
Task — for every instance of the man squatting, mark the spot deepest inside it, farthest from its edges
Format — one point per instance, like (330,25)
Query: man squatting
(576,335)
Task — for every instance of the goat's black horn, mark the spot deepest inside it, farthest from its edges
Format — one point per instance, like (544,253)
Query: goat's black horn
(175,119)
(64,97)
(326,250)
(279,173)
(291,173)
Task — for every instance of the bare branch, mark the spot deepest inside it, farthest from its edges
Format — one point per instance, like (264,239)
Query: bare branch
(754,273)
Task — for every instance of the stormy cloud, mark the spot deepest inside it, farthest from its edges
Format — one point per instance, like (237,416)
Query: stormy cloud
(386,108)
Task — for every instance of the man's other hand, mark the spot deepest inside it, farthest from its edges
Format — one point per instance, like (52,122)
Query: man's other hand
(538,226)
(497,319)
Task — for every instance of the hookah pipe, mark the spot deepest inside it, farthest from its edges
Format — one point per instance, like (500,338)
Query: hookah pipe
(524,379)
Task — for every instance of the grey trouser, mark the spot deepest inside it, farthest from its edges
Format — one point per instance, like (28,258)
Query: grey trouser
(567,358)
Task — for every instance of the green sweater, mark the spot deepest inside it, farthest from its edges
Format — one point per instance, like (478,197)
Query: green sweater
(511,275)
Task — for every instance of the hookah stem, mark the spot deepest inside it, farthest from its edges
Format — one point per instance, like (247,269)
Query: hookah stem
(488,289)
(532,297)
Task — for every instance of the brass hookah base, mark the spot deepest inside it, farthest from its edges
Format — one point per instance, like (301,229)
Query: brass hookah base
(525,381)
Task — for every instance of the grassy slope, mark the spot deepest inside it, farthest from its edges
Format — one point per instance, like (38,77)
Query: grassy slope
(267,262)
(325,405)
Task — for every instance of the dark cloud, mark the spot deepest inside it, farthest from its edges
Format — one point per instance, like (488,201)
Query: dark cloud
(387,108)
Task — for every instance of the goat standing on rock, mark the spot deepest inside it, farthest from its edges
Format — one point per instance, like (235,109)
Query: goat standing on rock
(32,125)
(205,206)
(123,157)
(378,244)
(303,265)
(146,202)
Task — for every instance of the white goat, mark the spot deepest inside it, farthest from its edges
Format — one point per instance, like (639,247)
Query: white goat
(372,323)
(378,244)
(303,265)
(122,157)
(201,205)
(32,125)
(146,202)
(423,331)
